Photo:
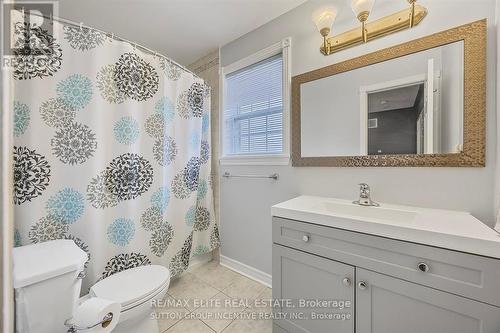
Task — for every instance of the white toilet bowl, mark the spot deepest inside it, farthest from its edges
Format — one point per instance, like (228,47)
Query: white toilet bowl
(136,290)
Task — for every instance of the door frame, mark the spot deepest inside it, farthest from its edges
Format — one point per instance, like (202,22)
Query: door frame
(378,87)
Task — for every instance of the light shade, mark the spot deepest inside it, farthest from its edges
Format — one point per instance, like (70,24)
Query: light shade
(324,17)
(360,6)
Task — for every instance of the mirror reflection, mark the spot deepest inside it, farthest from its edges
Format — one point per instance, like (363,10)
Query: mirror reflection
(408,105)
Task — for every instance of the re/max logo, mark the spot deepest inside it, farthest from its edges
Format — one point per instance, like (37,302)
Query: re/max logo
(20,21)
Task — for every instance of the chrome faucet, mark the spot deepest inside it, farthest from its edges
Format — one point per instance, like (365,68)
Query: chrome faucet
(364,196)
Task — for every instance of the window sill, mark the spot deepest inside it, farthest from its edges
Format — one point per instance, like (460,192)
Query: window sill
(255,160)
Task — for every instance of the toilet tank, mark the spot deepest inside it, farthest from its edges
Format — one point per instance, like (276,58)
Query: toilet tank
(46,285)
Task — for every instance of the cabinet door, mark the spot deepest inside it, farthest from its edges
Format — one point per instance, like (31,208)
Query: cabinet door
(299,277)
(389,305)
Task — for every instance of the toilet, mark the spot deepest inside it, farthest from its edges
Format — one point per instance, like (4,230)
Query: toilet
(47,283)
(135,289)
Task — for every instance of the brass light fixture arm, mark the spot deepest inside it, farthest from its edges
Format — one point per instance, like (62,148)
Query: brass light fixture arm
(412,13)
(362,17)
(390,24)
(364,33)
(325,32)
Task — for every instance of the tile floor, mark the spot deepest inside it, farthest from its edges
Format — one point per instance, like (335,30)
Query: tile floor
(211,298)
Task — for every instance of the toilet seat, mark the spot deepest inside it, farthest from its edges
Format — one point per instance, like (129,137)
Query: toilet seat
(147,299)
(134,286)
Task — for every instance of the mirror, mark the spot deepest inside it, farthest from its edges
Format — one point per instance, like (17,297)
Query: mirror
(407,105)
(410,105)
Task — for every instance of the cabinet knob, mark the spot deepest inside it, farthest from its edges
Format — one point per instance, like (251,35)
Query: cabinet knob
(346,282)
(305,238)
(362,285)
(423,267)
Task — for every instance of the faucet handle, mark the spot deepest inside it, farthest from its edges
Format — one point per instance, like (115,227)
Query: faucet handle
(364,186)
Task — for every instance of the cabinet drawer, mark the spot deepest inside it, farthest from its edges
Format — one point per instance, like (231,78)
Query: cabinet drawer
(460,273)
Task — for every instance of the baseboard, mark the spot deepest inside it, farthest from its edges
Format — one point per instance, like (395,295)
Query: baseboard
(248,271)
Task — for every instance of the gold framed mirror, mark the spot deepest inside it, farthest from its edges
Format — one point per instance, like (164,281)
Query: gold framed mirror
(417,104)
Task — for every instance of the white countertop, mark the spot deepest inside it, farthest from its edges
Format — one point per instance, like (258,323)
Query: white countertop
(447,229)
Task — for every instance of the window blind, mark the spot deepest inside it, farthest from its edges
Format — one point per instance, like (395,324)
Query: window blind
(253,114)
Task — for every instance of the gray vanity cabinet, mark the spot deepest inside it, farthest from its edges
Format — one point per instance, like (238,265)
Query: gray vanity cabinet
(310,277)
(394,286)
(386,304)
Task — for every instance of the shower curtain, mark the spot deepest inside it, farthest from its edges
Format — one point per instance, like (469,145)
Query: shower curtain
(112,151)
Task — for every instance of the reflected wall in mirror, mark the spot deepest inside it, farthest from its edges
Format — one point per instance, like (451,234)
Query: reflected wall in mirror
(421,103)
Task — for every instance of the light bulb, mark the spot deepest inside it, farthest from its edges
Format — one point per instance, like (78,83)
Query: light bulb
(324,18)
(362,8)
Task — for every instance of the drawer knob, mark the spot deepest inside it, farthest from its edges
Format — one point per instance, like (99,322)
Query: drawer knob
(305,238)
(346,282)
(362,285)
(423,267)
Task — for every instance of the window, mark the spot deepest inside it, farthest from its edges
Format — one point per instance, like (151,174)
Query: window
(255,108)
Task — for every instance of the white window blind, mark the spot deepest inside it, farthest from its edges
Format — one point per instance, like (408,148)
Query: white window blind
(253,114)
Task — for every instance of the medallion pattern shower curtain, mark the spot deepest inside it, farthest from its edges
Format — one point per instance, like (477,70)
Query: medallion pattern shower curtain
(112,150)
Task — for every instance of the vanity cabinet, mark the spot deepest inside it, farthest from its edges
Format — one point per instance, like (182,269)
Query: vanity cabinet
(394,286)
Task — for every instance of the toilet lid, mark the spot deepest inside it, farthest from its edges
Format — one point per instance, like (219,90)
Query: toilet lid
(132,285)
(42,261)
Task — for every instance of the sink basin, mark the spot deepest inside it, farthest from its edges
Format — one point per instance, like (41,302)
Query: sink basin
(351,210)
(447,229)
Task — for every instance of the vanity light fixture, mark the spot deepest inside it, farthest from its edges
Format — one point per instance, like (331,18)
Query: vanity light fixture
(324,18)
(387,25)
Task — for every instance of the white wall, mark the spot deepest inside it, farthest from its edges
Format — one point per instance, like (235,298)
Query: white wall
(245,204)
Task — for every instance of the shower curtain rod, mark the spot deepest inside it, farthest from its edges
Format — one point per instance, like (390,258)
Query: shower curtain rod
(113,36)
